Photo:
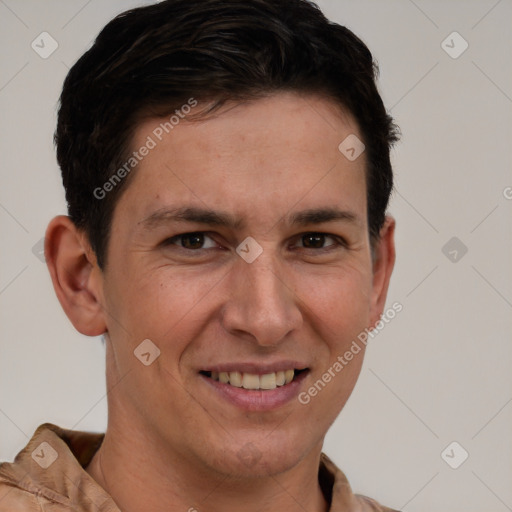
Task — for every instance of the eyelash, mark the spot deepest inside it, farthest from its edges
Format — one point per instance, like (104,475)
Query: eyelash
(338,241)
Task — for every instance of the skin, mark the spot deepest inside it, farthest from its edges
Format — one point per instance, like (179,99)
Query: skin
(171,439)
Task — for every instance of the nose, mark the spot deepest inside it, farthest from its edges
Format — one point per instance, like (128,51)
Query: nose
(262,304)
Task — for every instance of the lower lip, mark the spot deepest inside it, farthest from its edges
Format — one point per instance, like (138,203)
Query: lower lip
(258,400)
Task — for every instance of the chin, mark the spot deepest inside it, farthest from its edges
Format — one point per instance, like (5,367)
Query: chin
(261,458)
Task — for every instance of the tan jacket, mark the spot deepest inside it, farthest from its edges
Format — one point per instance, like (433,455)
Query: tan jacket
(48,476)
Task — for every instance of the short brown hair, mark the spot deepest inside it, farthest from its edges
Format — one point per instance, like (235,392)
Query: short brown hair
(155,58)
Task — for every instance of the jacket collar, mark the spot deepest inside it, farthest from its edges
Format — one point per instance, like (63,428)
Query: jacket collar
(52,465)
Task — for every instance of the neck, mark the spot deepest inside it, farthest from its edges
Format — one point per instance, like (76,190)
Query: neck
(140,475)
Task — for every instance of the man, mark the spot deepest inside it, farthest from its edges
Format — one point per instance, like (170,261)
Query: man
(227,174)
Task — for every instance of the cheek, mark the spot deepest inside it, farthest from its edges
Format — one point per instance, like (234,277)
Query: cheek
(339,313)
(339,302)
(160,301)
(167,307)
(172,307)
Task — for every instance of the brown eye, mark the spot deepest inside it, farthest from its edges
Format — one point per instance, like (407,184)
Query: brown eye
(313,241)
(320,241)
(192,240)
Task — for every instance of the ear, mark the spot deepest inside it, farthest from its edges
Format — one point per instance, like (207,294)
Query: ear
(75,274)
(383,263)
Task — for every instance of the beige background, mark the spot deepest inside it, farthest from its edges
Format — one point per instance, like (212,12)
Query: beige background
(438,373)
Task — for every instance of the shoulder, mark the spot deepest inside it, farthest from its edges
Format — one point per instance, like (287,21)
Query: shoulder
(18,493)
(370,505)
(15,499)
(338,491)
(38,478)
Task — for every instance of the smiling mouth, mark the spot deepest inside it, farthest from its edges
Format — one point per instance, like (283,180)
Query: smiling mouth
(254,381)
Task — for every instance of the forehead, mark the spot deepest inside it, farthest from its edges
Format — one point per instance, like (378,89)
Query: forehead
(249,157)
(295,117)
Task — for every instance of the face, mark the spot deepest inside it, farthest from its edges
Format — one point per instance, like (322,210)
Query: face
(226,310)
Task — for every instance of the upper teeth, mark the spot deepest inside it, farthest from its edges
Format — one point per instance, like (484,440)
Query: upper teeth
(254,381)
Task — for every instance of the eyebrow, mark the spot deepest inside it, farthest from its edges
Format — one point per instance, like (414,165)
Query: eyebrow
(191,214)
(321,215)
(209,217)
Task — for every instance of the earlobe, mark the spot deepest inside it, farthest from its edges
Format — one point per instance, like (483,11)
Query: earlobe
(383,264)
(75,275)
